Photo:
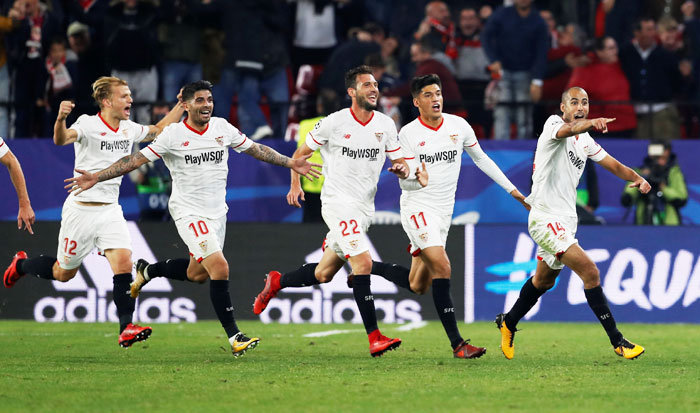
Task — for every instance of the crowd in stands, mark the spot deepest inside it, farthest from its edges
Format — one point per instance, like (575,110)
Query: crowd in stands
(503,66)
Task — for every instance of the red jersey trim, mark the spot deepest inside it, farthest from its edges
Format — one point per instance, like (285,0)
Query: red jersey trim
(314,139)
(246,138)
(393,150)
(2,144)
(358,121)
(154,152)
(99,115)
(597,152)
(412,157)
(430,127)
(195,130)
(474,144)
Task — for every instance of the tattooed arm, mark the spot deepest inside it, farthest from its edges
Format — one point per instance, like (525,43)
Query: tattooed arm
(271,156)
(87,180)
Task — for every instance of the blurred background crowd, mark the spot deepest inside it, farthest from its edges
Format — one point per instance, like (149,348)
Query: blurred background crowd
(274,63)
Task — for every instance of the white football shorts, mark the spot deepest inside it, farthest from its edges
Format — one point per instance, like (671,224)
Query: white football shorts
(86,227)
(424,228)
(347,231)
(203,236)
(554,234)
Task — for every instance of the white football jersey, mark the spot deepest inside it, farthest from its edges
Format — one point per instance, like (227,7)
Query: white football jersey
(3,148)
(558,167)
(198,164)
(99,146)
(353,156)
(441,149)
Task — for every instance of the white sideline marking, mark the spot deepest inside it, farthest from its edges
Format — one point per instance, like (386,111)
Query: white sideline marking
(413,325)
(407,327)
(330,333)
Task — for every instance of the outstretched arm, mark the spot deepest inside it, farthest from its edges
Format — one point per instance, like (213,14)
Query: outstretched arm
(626,173)
(87,180)
(300,165)
(582,126)
(489,167)
(25,214)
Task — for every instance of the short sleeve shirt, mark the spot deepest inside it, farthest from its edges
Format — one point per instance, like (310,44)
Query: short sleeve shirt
(558,167)
(353,156)
(3,148)
(98,146)
(198,164)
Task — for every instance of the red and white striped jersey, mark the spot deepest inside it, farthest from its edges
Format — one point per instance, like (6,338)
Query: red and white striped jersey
(98,146)
(198,164)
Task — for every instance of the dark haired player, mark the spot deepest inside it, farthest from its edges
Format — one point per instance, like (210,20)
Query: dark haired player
(196,152)
(562,150)
(436,141)
(354,143)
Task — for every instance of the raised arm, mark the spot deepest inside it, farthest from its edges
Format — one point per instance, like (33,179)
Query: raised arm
(489,167)
(577,126)
(61,134)
(25,214)
(87,180)
(626,173)
(174,115)
(295,191)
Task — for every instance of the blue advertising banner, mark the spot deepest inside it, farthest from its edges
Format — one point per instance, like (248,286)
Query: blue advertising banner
(256,190)
(648,274)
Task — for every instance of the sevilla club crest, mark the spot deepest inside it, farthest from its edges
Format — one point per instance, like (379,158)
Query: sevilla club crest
(379,136)
(220,140)
(354,244)
(453,138)
(203,246)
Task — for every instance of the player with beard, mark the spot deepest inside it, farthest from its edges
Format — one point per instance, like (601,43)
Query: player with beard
(196,153)
(562,150)
(437,140)
(353,143)
(95,219)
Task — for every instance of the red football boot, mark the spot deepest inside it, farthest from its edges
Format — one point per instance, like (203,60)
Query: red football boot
(467,351)
(380,344)
(133,333)
(11,275)
(272,287)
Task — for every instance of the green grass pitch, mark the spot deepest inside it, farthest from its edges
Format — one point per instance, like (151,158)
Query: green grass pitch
(188,367)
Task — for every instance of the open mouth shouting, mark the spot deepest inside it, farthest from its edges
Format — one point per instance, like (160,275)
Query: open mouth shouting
(435,107)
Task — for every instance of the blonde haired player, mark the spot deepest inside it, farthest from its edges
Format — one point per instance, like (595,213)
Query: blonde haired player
(196,153)
(95,219)
(436,141)
(562,150)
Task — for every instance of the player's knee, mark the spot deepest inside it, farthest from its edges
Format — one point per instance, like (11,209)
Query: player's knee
(362,265)
(420,289)
(590,276)
(199,278)
(324,276)
(61,275)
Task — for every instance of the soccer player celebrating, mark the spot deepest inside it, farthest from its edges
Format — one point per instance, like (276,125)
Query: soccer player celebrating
(95,219)
(353,143)
(436,140)
(562,150)
(26,213)
(196,152)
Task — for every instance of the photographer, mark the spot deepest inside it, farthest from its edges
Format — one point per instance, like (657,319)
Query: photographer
(661,206)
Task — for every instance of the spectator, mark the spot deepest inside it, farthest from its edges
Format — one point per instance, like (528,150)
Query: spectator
(437,29)
(471,69)
(29,44)
(7,24)
(129,23)
(326,103)
(255,64)
(350,54)
(661,206)
(654,78)
(91,65)
(548,18)
(516,28)
(422,57)
(181,44)
(314,31)
(605,81)
(60,85)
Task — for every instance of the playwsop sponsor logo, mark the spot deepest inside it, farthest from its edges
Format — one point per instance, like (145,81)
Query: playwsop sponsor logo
(650,280)
(334,303)
(84,298)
